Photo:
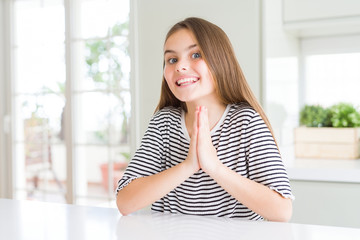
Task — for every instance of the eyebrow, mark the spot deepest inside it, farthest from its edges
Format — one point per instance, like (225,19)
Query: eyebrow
(188,48)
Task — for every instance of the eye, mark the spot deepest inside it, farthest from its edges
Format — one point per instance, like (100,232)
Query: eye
(172,60)
(196,55)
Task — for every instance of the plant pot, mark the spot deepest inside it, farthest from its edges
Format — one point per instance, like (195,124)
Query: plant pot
(118,171)
(328,143)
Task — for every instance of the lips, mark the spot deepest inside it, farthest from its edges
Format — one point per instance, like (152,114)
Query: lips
(186,81)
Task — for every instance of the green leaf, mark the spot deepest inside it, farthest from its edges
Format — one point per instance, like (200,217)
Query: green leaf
(344,115)
(314,116)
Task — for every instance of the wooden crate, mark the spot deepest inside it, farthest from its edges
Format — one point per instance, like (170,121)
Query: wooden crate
(329,143)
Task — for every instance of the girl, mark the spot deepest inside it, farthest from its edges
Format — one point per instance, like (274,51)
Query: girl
(209,148)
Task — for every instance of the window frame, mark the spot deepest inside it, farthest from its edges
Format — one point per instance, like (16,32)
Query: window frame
(6,166)
(7,145)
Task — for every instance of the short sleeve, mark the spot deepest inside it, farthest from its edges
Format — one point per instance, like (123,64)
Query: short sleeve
(147,158)
(265,164)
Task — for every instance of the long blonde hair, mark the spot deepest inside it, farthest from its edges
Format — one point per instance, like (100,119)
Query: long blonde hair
(217,51)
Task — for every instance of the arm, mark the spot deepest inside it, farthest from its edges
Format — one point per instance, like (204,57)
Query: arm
(256,196)
(146,190)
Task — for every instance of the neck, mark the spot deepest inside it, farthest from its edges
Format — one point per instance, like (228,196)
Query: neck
(215,111)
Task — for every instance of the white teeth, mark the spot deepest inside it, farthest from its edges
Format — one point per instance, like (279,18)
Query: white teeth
(186,81)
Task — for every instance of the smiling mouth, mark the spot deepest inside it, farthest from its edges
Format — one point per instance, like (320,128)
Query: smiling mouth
(186,81)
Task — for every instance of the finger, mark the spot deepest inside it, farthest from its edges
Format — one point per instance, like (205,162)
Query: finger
(204,118)
(194,130)
(196,122)
(193,140)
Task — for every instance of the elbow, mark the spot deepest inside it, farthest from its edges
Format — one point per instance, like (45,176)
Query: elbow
(123,212)
(122,206)
(285,213)
(284,217)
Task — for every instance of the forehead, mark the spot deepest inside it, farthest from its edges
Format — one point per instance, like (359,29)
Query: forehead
(180,40)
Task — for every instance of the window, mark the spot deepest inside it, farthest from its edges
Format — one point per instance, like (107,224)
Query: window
(326,71)
(331,70)
(98,89)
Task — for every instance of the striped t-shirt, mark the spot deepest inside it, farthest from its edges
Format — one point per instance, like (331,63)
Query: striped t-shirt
(243,143)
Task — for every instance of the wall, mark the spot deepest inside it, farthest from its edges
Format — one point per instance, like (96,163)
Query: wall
(152,19)
(321,17)
(326,203)
(277,43)
(281,79)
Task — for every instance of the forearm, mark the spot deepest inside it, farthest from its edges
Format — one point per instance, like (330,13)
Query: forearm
(257,197)
(143,191)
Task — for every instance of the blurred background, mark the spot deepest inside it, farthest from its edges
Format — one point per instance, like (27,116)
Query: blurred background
(70,70)
(80,79)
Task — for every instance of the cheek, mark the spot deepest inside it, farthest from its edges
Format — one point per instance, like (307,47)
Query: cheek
(202,67)
(168,76)
(205,71)
(167,73)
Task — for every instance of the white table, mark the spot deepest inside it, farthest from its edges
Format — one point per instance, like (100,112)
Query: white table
(36,220)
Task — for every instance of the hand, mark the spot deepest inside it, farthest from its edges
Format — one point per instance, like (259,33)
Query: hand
(192,157)
(206,152)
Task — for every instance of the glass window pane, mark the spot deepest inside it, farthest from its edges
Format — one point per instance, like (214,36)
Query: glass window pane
(41,164)
(119,118)
(97,16)
(100,75)
(39,51)
(38,100)
(102,118)
(120,63)
(107,65)
(88,165)
(92,118)
(39,69)
(93,175)
(39,22)
(49,107)
(332,78)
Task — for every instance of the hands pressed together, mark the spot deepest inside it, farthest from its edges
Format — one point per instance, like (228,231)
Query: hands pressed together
(202,154)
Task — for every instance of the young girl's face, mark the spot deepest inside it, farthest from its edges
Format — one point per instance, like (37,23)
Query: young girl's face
(185,71)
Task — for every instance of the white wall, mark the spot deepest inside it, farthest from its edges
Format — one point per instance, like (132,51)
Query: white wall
(315,10)
(151,21)
(277,42)
(309,18)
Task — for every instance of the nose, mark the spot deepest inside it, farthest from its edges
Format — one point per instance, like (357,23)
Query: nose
(181,69)
(182,66)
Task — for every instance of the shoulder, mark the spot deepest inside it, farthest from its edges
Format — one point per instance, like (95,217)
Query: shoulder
(244,116)
(167,114)
(242,110)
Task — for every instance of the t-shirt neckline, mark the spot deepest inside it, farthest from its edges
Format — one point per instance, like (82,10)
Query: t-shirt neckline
(213,130)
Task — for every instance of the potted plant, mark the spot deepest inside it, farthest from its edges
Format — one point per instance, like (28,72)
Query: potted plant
(331,133)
